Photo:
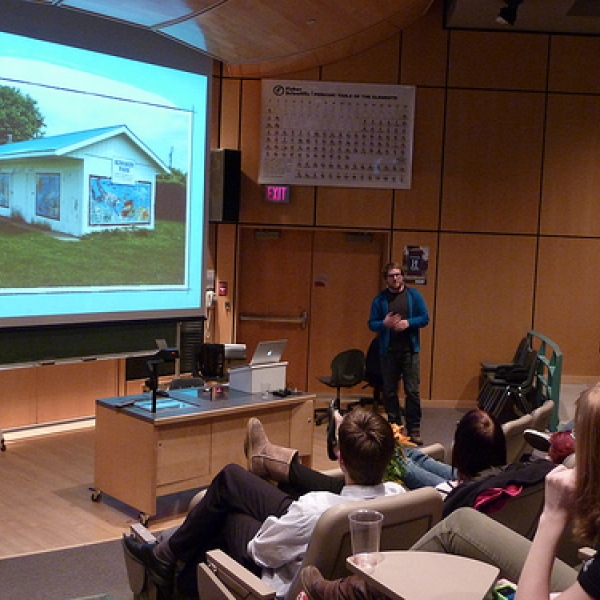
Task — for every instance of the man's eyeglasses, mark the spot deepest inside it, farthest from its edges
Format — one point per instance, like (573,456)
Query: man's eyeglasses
(394,275)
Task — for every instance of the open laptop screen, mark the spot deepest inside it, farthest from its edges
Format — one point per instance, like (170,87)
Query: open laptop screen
(268,352)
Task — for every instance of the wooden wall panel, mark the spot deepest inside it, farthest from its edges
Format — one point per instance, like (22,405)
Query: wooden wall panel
(367,67)
(484,307)
(345,207)
(567,292)
(571,176)
(429,240)
(70,390)
(419,207)
(18,402)
(223,313)
(230,114)
(424,50)
(492,161)
(574,64)
(488,60)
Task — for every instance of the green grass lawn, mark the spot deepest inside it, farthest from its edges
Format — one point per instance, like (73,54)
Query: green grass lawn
(36,258)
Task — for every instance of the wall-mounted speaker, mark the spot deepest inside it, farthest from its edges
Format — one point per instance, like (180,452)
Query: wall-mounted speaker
(225,183)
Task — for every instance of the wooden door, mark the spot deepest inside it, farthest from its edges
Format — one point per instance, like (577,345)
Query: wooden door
(274,294)
(329,276)
(346,277)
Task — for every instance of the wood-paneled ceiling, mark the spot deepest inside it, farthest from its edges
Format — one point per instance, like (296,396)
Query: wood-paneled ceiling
(263,37)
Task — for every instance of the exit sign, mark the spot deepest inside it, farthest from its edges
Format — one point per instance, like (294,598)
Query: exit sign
(277,193)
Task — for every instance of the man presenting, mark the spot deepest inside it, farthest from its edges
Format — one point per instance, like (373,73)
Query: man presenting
(397,315)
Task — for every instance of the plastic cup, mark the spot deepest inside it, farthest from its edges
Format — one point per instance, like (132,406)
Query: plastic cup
(265,388)
(365,534)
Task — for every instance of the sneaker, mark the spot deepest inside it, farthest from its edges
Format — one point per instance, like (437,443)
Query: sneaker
(539,440)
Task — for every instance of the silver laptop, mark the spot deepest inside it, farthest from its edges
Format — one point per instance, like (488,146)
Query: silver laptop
(268,352)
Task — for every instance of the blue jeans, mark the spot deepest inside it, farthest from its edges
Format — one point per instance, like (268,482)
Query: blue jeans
(405,366)
(421,470)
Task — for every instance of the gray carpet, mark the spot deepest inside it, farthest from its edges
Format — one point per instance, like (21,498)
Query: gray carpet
(94,570)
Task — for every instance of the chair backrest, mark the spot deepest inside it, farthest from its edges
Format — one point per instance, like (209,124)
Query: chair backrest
(406,518)
(210,360)
(348,368)
(521,513)
(516,445)
(520,356)
(542,415)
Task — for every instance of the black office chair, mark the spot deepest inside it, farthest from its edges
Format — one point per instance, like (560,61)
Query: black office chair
(210,362)
(347,370)
(372,377)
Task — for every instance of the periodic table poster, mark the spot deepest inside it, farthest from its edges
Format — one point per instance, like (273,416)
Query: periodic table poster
(336,134)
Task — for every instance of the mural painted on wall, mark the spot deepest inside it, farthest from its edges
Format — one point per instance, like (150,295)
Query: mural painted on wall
(117,203)
(4,190)
(47,195)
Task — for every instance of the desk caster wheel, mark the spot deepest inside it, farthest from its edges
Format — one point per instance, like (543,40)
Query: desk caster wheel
(144,519)
(96,495)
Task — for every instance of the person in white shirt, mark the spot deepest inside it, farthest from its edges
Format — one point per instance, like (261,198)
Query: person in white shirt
(262,527)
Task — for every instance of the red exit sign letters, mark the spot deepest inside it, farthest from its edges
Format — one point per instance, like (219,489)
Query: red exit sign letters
(277,193)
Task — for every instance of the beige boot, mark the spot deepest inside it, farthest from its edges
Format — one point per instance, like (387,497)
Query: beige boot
(265,459)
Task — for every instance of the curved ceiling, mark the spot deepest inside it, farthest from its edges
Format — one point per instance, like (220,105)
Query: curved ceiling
(263,37)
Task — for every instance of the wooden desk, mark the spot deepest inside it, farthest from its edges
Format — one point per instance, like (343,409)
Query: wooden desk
(408,575)
(141,455)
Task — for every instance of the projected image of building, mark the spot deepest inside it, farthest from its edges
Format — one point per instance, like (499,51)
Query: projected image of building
(81,182)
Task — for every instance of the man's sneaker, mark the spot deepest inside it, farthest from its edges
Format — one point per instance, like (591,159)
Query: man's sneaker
(539,440)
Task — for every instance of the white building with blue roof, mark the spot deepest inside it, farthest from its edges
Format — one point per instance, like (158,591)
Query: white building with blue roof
(81,182)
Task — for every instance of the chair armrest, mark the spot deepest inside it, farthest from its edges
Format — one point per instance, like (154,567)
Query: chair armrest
(197,497)
(436,451)
(142,534)
(585,553)
(335,472)
(223,578)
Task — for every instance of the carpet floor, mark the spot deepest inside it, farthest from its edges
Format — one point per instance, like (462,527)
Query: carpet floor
(93,570)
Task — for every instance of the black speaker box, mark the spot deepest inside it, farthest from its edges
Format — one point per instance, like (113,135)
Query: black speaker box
(225,183)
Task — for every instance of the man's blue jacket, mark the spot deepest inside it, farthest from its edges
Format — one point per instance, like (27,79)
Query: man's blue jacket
(417,317)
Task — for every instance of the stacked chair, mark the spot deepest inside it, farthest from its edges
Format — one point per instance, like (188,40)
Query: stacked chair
(509,392)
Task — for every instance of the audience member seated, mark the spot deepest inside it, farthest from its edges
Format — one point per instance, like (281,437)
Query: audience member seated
(572,495)
(261,527)
(558,445)
(479,444)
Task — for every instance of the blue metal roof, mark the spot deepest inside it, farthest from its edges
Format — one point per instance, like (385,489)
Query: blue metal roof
(59,145)
(54,143)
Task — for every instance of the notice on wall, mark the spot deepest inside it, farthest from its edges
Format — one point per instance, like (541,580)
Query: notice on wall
(336,134)
(415,262)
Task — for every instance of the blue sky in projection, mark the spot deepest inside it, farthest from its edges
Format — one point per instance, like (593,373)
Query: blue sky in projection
(156,103)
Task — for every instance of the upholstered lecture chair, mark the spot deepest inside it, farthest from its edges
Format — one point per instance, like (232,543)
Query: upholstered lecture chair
(406,518)
(516,445)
